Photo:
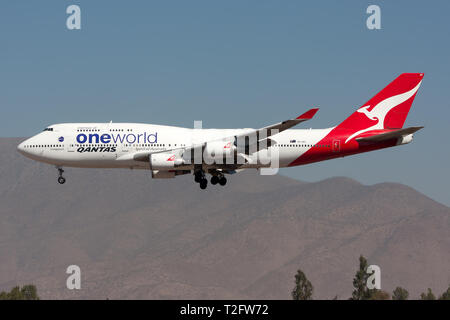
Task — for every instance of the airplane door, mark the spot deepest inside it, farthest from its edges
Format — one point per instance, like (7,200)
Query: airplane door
(336,146)
(70,144)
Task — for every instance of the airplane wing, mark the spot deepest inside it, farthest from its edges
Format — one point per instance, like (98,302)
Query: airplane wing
(389,135)
(284,125)
(261,133)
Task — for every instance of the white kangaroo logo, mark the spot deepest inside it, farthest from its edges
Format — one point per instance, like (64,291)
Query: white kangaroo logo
(380,111)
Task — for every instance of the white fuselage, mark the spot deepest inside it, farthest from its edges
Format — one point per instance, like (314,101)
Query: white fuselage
(114,145)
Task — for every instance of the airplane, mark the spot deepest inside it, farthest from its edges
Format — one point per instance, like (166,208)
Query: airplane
(168,151)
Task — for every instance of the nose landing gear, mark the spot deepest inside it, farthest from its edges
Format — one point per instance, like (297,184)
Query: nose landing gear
(61,179)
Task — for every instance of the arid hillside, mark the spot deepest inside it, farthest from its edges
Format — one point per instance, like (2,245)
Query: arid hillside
(135,237)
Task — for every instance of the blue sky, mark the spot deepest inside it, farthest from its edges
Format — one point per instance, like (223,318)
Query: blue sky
(232,64)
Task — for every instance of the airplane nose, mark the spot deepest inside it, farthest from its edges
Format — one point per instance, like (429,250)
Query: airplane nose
(21,147)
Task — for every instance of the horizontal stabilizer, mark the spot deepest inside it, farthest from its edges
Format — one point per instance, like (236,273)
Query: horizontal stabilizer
(389,135)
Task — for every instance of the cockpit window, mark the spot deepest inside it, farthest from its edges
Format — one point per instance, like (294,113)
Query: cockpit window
(48,129)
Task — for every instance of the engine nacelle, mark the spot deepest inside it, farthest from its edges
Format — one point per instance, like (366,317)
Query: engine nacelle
(405,139)
(164,161)
(219,149)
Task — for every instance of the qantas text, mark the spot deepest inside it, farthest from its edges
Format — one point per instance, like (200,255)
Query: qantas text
(96,149)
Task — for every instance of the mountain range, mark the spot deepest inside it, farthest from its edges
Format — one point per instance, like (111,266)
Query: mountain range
(138,238)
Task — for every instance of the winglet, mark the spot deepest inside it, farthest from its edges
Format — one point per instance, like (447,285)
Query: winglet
(308,114)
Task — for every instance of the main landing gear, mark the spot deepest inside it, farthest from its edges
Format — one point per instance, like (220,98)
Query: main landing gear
(199,177)
(61,179)
(219,180)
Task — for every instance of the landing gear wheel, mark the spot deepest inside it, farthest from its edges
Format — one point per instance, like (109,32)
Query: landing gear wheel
(214,180)
(223,181)
(203,184)
(199,176)
(61,179)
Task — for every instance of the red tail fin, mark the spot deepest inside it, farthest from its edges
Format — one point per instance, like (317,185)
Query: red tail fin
(386,110)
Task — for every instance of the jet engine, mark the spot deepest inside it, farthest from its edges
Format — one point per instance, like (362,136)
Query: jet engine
(219,149)
(164,161)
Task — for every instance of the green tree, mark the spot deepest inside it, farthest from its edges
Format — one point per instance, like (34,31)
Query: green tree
(400,294)
(379,295)
(427,296)
(303,289)
(27,292)
(15,294)
(445,295)
(361,292)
